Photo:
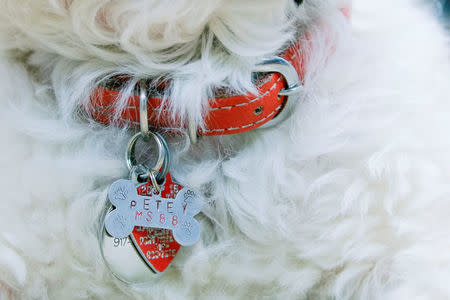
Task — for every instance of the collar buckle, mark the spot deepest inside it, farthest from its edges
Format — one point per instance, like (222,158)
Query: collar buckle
(274,64)
(294,86)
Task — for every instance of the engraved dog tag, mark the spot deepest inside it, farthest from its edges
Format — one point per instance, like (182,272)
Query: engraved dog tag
(158,222)
(153,210)
(123,260)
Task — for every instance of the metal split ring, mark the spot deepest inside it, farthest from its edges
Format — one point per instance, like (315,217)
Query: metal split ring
(140,172)
(155,183)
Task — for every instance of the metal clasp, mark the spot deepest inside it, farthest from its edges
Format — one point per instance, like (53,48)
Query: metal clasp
(140,171)
(285,68)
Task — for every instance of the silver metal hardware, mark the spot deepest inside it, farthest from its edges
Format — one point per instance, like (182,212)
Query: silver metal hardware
(143,116)
(143,112)
(290,91)
(130,155)
(154,183)
(163,148)
(169,212)
(121,257)
(132,209)
(282,66)
(175,213)
(167,160)
(139,173)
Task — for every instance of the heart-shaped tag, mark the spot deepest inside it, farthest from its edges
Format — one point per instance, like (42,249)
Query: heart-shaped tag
(157,247)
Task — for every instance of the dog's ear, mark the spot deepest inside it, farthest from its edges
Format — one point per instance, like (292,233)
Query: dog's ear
(298,2)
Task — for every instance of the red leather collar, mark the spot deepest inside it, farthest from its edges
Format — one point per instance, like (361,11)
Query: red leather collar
(225,115)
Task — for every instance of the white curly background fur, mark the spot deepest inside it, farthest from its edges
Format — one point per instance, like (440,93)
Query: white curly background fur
(348,199)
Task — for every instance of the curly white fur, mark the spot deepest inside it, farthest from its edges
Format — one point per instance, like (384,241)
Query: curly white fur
(347,199)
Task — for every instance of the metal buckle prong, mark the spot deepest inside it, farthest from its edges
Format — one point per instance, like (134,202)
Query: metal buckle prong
(290,91)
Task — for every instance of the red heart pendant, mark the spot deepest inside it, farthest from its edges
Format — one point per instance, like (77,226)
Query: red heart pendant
(157,246)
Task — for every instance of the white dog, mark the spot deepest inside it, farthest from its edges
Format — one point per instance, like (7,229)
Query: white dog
(347,198)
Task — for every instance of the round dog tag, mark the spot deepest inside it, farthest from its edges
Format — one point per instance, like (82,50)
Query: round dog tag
(124,261)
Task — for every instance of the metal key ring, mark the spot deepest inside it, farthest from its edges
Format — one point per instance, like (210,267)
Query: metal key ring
(161,176)
(131,159)
(161,168)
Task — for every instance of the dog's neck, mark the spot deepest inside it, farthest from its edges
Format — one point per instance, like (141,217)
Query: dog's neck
(227,114)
